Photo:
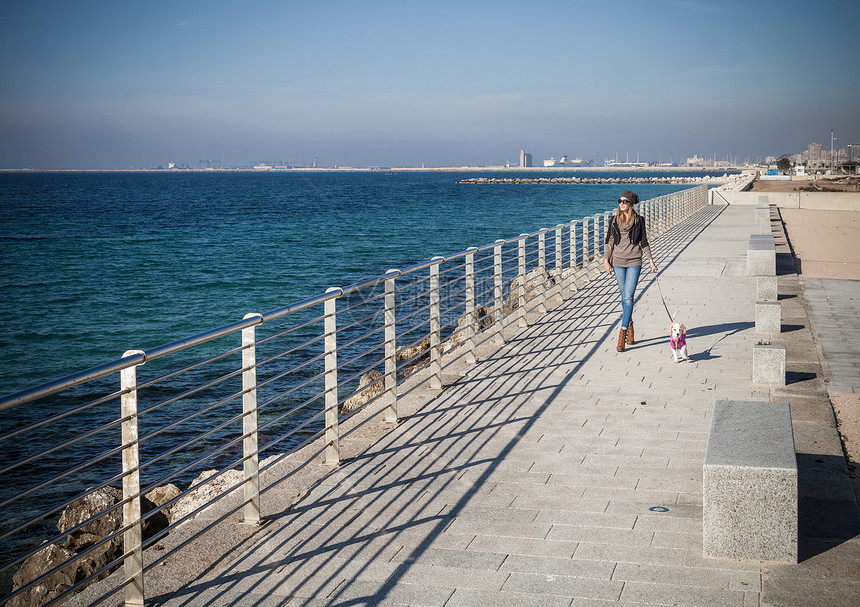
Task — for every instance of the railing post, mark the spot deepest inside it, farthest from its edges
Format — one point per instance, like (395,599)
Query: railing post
(250,452)
(435,326)
(332,432)
(558,264)
(646,217)
(471,350)
(498,335)
(521,289)
(390,398)
(542,270)
(663,215)
(571,274)
(131,510)
(671,212)
(585,246)
(596,236)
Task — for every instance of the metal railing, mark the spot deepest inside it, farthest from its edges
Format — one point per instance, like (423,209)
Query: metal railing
(241,398)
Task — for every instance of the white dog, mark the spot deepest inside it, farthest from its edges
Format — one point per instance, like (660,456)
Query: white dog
(678,342)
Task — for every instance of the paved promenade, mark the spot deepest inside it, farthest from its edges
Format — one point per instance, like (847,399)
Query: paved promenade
(532,479)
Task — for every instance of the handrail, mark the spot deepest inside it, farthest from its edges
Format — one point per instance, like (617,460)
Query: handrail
(315,376)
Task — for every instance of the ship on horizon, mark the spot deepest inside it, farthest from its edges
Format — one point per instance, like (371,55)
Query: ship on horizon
(563,161)
(609,162)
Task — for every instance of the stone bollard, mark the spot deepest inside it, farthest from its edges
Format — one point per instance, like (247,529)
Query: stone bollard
(768,364)
(768,317)
(766,287)
(750,483)
(762,215)
(761,255)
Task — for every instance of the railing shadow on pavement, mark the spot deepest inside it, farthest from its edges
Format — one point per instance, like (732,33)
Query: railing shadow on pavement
(462,434)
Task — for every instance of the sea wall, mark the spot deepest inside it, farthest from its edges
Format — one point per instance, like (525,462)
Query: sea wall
(821,201)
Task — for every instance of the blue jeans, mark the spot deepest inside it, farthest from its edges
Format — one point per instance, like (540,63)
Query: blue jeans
(627,279)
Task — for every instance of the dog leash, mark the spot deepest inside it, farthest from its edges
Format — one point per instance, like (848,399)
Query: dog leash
(663,299)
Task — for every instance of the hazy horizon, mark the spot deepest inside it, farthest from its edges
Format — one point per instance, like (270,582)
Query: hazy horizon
(115,85)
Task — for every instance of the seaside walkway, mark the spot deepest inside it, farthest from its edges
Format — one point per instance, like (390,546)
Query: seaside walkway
(531,479)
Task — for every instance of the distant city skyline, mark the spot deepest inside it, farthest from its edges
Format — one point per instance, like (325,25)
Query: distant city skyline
(96,84)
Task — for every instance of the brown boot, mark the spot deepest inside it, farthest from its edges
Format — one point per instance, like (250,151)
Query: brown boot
(630,341)
(622,337)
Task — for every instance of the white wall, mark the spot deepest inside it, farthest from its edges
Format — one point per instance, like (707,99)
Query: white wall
(825,201)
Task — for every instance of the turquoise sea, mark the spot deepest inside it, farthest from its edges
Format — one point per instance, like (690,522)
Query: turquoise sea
(94,264)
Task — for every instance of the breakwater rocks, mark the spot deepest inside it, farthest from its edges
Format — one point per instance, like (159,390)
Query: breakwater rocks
(598,180)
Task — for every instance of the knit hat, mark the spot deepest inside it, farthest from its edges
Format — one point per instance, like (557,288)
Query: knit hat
(633,197)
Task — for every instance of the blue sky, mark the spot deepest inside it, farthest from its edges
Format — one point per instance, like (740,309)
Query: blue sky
(139,84)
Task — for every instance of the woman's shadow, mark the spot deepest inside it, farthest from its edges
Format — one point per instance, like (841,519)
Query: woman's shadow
(698,333)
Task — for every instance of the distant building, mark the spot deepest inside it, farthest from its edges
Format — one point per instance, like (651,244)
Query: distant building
(525,159)
(854,152)
(814,159)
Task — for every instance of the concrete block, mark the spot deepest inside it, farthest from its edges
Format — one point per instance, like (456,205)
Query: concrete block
(768,317)
(750,496)
(766,287)
(768,365)
(761,255)
(762,211)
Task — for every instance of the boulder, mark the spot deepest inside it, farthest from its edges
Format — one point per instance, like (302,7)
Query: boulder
(161,495)
(420,350)
(92,532)
(533,279)
(87,507)
(415,357)
(206,492)
(483,317)
(98,501)
(52,586)
(366,391)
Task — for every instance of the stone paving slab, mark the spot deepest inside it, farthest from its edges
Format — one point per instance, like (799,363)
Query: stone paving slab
(531,479)
(835,305)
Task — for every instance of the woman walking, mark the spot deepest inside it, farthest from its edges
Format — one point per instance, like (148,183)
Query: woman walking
(626,242)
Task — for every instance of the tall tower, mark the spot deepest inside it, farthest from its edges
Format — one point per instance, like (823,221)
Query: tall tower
(525,159)
(814,154)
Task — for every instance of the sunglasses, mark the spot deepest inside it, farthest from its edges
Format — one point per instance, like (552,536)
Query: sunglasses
(623,201)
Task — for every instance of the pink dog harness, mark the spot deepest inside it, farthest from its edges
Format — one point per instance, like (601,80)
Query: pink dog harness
(680,343)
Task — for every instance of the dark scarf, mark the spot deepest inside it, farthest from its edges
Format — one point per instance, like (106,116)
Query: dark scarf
(637,232)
